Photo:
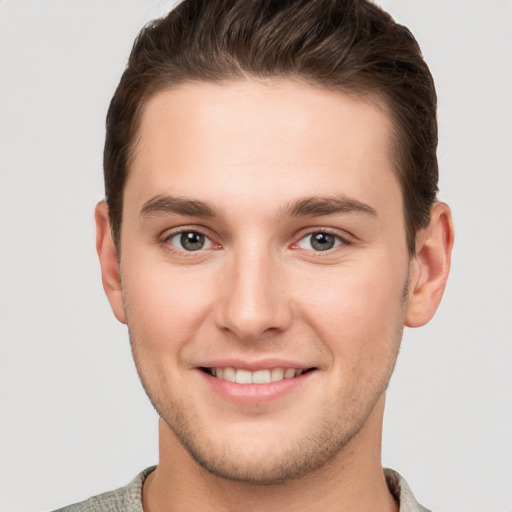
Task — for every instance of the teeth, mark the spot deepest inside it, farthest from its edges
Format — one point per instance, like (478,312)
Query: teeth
(277,374)
(243,377)
(258,377)
(229,374)
(289,373)
(261,377)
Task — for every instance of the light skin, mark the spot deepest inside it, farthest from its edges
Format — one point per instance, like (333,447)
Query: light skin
(263,230)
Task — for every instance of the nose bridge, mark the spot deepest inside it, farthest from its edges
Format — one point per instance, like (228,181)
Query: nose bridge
(254,301)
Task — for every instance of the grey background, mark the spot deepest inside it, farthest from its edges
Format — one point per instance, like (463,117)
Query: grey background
(74,420)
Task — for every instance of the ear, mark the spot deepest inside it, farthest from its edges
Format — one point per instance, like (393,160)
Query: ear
(430,267)
(109,261)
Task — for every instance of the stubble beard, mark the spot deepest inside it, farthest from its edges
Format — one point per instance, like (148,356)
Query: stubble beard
(329,437)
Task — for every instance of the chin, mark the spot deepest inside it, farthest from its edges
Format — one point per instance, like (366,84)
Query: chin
(264,469)
(272,456)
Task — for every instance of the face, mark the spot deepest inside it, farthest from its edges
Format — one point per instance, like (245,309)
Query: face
(264,269)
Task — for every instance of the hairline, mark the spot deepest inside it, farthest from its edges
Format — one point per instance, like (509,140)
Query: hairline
(373,97)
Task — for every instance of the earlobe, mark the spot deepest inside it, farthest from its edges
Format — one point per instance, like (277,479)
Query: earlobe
(430,267)
(109,261)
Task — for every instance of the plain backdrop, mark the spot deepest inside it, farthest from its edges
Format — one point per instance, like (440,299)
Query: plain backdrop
(74,420)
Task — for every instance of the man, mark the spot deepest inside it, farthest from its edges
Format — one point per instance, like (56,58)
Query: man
(270,226)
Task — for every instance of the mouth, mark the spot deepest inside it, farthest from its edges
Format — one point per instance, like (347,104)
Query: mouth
(263,376)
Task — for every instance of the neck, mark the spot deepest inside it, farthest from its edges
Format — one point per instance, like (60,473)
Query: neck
(352,481)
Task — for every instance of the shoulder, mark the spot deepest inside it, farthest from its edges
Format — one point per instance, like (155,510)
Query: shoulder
(400,490)
(124,499)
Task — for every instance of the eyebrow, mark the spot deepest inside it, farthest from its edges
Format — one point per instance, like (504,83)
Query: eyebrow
(318,206)
(303,207)
(163,205)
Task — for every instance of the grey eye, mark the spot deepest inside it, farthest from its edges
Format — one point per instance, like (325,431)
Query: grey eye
(190,241)
(322,241)
(319,241)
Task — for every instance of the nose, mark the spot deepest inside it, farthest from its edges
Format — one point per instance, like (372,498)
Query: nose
(254,302)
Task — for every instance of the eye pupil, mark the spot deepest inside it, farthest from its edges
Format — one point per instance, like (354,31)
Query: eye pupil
(322,241)
(192,241)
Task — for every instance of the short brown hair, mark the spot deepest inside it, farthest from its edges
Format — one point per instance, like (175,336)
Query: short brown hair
(351,46)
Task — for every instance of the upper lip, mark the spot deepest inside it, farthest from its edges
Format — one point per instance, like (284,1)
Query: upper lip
(262,364)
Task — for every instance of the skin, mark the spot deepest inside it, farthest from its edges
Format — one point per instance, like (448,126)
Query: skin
(242,158)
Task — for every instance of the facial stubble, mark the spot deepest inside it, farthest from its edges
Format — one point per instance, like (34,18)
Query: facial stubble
(329,438)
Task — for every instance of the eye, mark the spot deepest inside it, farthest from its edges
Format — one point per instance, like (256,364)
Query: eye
(319,241)
(190,241)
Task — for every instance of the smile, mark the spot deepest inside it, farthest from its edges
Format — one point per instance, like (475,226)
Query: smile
(265,376)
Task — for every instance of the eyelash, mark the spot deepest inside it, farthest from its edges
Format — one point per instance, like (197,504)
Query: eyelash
(338,241)
(183,231)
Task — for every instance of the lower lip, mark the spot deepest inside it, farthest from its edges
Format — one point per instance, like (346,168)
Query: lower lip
(255,394)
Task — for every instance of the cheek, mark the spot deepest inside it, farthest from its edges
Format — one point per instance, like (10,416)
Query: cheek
(353,294)
(165,305)
(358,310)
(165,310)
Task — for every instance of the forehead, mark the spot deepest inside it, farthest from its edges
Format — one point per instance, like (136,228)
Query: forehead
(244,136)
